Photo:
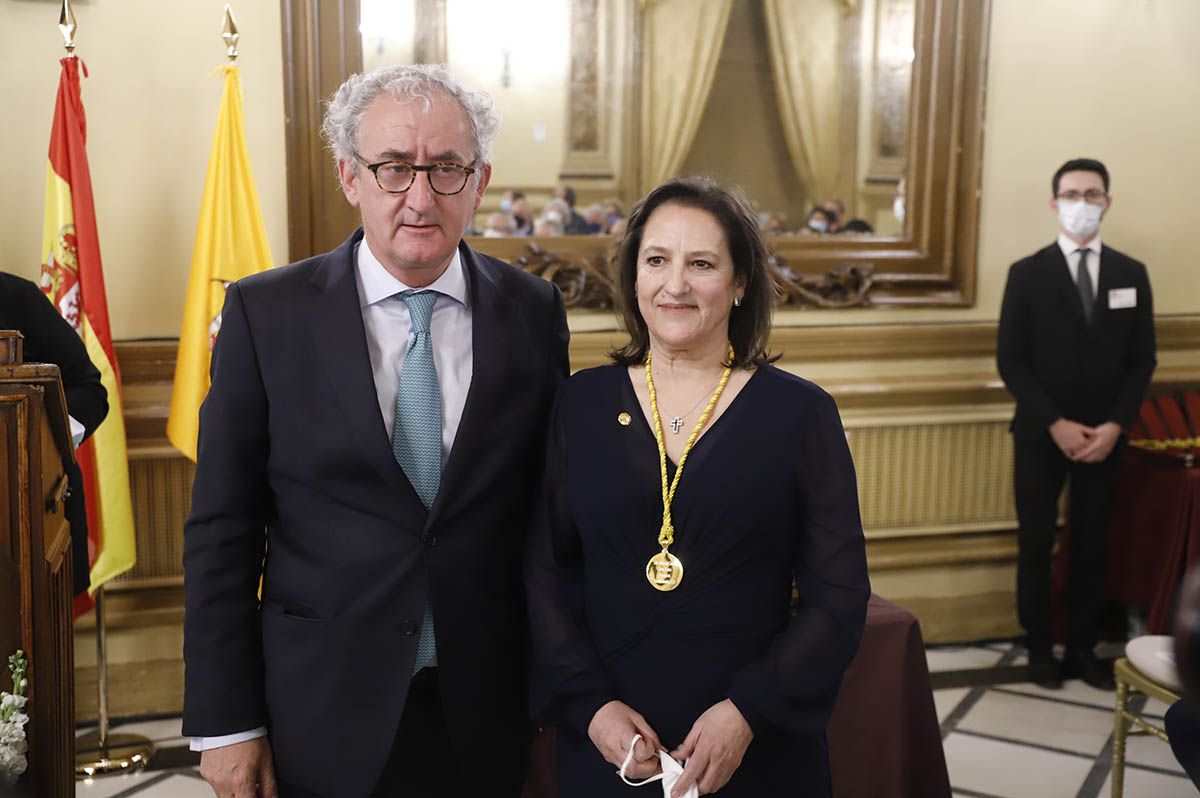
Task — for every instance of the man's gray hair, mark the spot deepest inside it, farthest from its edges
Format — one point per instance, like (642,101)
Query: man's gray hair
(409,83)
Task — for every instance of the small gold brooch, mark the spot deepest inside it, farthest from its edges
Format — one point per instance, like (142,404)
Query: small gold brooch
(624,419)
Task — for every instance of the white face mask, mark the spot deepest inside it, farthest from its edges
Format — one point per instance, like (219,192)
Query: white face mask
(1079,217)
(671,771)
(818,225)
(898,209)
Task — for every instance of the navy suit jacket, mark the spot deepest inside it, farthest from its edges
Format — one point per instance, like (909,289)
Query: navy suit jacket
(295,466)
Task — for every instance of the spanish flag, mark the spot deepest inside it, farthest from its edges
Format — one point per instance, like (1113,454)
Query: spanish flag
(73,279)
(231,243)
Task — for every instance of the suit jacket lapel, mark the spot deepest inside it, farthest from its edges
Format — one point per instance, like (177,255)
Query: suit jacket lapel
(1103,284)
(490,318)
(340,344)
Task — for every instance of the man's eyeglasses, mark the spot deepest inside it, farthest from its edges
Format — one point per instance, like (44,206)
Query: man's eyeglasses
(396,177)
(1093,195)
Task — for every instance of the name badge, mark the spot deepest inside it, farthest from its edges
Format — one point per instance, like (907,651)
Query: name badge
(1119,298)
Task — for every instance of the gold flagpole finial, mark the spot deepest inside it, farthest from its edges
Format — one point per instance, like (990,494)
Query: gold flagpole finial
(230,34)
(67,26)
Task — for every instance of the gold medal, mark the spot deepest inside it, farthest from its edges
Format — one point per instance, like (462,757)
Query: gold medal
(664,571)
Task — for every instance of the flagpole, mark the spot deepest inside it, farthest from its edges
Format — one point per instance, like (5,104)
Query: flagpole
(99,753)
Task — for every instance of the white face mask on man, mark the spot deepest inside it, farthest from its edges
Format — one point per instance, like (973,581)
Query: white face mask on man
(1080,218)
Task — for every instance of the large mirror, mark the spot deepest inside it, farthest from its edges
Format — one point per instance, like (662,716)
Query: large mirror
(804,103)
(853,125)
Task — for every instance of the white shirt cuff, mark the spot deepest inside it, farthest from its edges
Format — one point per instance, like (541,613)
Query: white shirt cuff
(208,743)
(77,431)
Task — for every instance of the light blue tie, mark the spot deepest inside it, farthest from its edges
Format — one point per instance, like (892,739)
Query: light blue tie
(417,428)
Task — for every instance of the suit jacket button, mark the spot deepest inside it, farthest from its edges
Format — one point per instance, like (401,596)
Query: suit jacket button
(407,627)
(431,540)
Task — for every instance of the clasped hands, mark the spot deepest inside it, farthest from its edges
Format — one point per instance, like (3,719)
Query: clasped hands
(1084,444)
(713,748)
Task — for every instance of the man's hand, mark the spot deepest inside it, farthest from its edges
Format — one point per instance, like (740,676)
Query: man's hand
(1103,439)
(241,770)
(611,729)
(1071,437)
(713,749)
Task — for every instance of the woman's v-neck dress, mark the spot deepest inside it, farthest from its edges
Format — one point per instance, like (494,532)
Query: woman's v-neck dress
(767,500)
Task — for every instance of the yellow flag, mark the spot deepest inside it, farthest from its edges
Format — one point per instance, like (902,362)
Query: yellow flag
(231,243)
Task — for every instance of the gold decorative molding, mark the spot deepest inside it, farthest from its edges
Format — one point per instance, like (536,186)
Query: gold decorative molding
(844,286)
(585,284)
(591,274)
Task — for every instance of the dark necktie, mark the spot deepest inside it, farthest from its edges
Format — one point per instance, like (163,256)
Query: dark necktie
(1083,281)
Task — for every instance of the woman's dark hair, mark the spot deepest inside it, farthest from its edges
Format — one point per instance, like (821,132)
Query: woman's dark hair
(749,323)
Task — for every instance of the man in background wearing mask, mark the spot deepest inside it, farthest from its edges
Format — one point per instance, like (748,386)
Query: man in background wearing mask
(1076,350)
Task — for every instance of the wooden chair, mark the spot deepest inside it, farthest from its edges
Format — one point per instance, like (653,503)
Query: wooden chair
(1149,668)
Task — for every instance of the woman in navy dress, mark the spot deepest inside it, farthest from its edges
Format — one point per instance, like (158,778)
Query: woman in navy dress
(664,611)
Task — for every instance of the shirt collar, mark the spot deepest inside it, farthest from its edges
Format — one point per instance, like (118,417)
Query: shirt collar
(377,284)
(1069,247)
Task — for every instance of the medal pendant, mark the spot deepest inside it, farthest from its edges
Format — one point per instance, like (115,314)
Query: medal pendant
(664,571)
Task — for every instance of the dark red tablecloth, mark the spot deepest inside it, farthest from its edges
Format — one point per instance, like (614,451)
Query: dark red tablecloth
(884,737)
(1153,538)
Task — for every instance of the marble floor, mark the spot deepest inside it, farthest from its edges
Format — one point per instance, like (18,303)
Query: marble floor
(1003,738)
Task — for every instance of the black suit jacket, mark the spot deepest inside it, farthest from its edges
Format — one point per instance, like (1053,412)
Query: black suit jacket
(50,339)
(1057,365)
(292,445)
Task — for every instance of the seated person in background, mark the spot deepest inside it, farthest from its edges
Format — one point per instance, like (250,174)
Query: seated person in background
(49,338)
(617,228)
(711,663)
(498,225)
(820,222)
(614,211)
(521,214)
(837,213)
(775,224)
(573,223)
(857,226)
(547,226)
(596,218)
(558,212)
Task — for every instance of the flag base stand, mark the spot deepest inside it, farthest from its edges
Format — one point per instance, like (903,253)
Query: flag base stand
(119,753)
(99,753)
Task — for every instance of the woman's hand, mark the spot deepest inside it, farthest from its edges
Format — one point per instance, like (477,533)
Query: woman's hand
(611,729)
(713,749)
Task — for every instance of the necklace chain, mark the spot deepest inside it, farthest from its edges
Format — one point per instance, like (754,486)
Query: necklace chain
(699,402)
(666,535)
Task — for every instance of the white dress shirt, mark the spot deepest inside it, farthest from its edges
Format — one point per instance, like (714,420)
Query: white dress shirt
(389,333)
(1071,250)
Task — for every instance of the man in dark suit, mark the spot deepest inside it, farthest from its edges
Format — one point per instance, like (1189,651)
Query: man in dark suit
(1076,350)
(49,338)
(377,415)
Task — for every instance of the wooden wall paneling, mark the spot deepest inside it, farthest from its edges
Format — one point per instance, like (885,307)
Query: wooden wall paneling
(321,48)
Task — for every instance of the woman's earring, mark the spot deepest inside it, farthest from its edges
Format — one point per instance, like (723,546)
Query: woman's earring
(737,301)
